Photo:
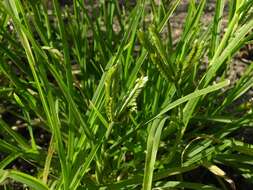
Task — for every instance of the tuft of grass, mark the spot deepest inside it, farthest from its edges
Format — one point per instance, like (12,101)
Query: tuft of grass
(99,95)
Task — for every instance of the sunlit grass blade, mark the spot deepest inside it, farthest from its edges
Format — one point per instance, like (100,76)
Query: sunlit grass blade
(220,173)
(22,178)
(152,148)
(216,28)
(195,94)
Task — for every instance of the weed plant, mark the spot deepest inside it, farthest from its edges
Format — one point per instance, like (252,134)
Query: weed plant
(124,105)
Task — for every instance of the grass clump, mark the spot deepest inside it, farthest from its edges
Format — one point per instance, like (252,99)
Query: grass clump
(94,96)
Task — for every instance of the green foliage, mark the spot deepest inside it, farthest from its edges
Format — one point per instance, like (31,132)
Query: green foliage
(121,103)
(111,85)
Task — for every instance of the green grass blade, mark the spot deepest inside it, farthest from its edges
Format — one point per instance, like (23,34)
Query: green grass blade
(23,178)
(216,28)
(10,158)
(65,45)
(18,138)
(188,185)
(152,148)
(136,180)
(75,183)
(193,95)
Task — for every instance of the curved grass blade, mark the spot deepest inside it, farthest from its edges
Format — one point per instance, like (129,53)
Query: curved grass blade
(22,178)
(195,94)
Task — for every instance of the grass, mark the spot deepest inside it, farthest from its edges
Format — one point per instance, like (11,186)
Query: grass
(123,103)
